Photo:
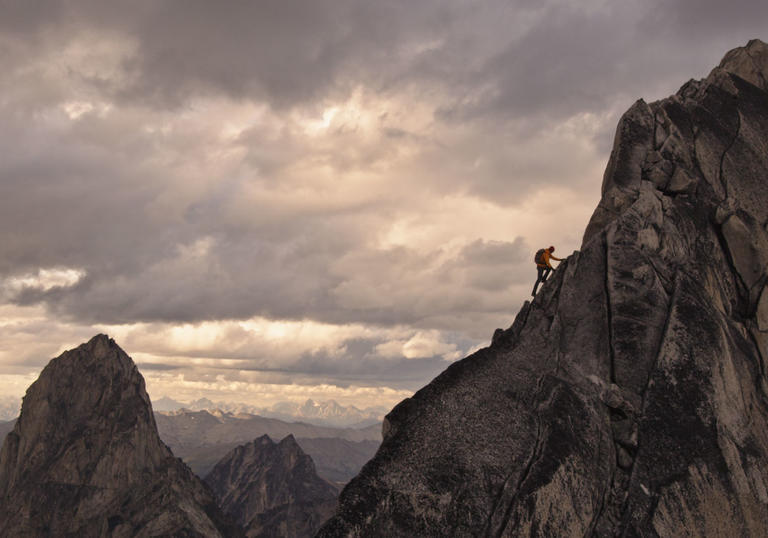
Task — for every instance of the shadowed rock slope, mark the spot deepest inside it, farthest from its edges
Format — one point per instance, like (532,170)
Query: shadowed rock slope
(84,458)
(629,398)
(272,489)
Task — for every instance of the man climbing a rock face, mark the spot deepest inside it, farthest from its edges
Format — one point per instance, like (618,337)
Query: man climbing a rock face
(543,266)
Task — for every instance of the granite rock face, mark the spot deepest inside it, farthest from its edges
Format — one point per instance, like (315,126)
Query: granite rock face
(85,459)
(272,489)
(630,397)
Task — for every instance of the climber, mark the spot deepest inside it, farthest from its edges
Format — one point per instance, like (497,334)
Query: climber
(543,266)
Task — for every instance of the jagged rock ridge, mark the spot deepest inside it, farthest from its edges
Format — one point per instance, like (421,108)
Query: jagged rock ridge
(84,458)
(201,439)
(630,397)
(272,489)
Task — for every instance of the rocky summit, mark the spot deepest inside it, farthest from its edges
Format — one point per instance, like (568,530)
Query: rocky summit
(629,398)
(85,459)
(272,489)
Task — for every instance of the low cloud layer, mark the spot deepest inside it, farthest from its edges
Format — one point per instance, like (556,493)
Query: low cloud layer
(383,170)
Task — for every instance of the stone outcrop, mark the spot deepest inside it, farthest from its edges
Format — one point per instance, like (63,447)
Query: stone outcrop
(629,398)
(272,489)
(84,458)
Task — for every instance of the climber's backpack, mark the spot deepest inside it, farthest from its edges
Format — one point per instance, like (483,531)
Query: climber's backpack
(539,258)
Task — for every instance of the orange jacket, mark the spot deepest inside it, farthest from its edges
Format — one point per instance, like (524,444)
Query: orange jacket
(546,257)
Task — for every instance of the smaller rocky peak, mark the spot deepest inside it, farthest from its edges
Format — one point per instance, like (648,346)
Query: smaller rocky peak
(100,353)
(289,443)
(749,62)
(293,456)
(272,488)
(100,345)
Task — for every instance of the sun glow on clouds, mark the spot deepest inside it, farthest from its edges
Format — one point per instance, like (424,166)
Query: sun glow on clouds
(361,113)
(43,279)
(316,127)
(452,222)
(232,343)
(420,345)
(238,361)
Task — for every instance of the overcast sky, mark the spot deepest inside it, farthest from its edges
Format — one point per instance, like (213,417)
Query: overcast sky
(275,200)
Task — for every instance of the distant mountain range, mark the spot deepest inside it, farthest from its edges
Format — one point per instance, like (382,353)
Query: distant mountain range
(202,438)
(328,413)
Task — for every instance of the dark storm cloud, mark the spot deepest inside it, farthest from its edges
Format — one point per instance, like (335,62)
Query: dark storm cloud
(58,195)
(721,20)
(510,57)
(583,56)
(285,51)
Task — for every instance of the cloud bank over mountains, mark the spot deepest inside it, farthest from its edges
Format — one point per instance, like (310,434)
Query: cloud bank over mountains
(299,196)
